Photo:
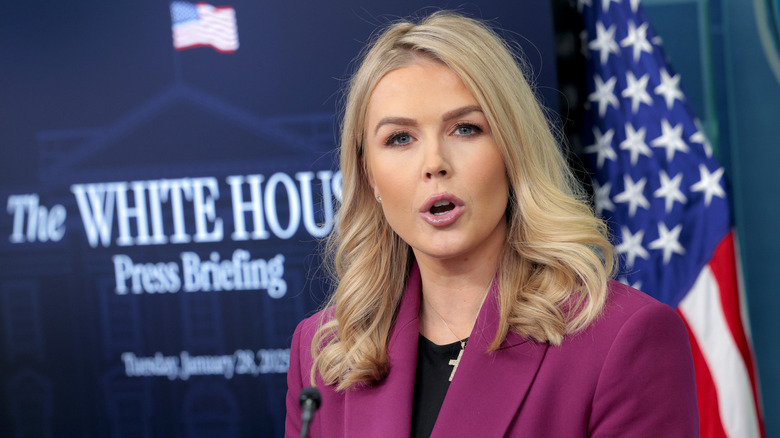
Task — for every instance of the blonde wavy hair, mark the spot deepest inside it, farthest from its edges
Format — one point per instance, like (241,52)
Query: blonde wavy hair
(557,258)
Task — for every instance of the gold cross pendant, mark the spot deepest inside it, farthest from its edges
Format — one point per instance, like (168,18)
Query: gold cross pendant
(454,362)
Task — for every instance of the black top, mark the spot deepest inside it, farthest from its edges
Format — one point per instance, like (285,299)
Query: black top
(431,383)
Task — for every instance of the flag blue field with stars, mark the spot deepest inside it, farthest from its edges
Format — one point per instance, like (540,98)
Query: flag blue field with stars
(656,179)
(663,194)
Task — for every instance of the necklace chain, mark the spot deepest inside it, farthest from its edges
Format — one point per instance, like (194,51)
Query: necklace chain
(455,362)
(462,343)
(458,338)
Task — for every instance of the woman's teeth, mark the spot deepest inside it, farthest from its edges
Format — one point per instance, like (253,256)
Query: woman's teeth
(441,207)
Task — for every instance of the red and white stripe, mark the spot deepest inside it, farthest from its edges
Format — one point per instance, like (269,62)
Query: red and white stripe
(216,28)
(725,373)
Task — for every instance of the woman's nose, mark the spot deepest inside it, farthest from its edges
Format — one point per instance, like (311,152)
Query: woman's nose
(436,163)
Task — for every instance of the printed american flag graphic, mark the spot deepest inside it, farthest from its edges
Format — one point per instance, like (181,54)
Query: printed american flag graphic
(662,190)
(203,25)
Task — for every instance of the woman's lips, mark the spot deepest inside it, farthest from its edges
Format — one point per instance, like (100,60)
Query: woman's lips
(442,209)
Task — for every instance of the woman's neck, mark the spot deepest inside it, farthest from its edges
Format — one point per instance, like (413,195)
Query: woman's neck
(453,293)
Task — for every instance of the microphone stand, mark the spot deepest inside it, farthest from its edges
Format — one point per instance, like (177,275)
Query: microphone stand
(309,401)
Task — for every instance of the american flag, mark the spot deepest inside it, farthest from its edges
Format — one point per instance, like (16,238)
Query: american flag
(203,25)
(663,193)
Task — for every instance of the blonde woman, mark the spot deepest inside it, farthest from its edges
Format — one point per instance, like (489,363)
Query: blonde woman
(474,294)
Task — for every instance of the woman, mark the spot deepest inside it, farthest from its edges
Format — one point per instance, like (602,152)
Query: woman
(473,293)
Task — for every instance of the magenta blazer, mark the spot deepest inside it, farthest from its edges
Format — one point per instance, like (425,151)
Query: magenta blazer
(629,374)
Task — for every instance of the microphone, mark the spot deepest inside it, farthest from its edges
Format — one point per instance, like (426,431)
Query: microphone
(309,400)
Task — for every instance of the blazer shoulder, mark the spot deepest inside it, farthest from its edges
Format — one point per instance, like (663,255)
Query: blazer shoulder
(629,317)
(624,303)
(309,326)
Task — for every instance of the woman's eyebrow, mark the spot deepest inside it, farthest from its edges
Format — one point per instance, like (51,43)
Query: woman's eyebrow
(403,121)
(460,112)
(449,115)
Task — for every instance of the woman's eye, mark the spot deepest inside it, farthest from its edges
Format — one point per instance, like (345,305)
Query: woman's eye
(400,138)
(467,129)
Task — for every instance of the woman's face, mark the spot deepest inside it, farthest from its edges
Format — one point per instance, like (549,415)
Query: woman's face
(432,159)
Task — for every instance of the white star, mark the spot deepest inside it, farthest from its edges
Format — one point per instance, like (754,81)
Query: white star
(631,245)
(634,5)
(637,37)
(709,184)
(637,91)
(604,94)
(604,42)
(668,241)
(602,147)
(583,3)
(633,194)
(670,139)
(602,199)
(605,4)
(670,190)
(635,142)
(699,137)
(669,88)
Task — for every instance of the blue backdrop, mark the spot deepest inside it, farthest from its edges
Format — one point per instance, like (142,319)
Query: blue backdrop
(164,208)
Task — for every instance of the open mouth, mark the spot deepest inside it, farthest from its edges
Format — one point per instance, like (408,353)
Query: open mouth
(442,207)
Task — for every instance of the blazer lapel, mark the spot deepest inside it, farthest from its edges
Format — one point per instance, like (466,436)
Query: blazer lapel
(494,383)
(386,409)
